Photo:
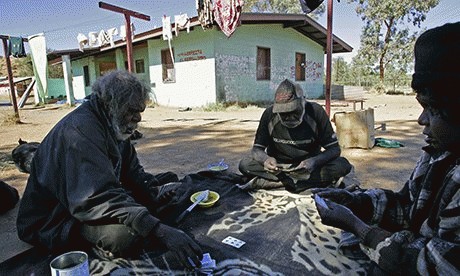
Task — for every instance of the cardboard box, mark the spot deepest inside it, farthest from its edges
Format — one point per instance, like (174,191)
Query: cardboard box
(355,129)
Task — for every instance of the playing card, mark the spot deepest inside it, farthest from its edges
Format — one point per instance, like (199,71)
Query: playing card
(321,202)
(233,242)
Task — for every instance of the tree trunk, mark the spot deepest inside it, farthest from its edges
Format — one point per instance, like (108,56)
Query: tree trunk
(385,49)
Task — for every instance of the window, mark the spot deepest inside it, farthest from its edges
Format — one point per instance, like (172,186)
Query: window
(299,66)
(169,74)
(106,66)
(86,75)
(263,63)
(140,66)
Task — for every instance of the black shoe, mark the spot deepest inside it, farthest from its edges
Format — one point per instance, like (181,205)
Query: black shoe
(292,187)
(102,254)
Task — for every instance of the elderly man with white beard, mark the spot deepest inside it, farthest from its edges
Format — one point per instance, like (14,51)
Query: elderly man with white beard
(87,186)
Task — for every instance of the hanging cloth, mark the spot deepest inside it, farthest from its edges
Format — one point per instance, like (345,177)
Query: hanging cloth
(37,45)
(167,32)
(92,39)
(112,32)
(123,31)
(227,14)
(205,13)
(102,38)
(82,41)
(181,22)
(16,47)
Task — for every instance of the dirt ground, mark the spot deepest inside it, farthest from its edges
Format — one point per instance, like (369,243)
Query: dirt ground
(186,142)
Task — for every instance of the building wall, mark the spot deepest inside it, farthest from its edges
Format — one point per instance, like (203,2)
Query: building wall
(195,83)
(79,89)
(236,62)
(210,68)
(56,88)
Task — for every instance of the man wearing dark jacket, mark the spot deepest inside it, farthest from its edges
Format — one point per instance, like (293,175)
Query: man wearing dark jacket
(86,182)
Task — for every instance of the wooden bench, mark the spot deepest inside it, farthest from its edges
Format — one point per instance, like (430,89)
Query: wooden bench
(355,101)
(354,94)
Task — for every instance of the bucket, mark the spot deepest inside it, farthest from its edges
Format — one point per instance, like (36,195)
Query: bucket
(355,129)
(73,263)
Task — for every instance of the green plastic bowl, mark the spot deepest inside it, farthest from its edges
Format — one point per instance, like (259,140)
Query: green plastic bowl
(213,197)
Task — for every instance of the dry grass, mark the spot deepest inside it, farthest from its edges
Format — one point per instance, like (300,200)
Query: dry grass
(9,118)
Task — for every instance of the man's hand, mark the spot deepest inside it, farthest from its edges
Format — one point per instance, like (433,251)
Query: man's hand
(339,196)
(270,164)
(180,244)
(307,165)
(339,216)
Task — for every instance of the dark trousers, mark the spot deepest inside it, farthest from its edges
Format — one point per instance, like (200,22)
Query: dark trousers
(114,237)
(320,177)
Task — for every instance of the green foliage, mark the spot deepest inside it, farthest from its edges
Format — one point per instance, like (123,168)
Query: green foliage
(210,107)
(280,6)
(21,67)
(386,40)
(340,71)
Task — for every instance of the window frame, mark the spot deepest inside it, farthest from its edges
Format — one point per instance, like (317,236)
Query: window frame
(138,66)
(86,77)
(263,63)
(300,59)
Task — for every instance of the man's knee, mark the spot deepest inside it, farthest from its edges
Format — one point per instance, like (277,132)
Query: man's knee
(111,237)
(246,165)
(336,169)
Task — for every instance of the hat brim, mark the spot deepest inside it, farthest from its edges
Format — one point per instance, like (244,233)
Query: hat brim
(287,107)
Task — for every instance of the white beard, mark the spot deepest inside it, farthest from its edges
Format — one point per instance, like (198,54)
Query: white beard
(292,124)
(123,132)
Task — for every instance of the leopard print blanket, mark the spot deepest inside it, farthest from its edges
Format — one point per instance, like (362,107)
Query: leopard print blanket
(283,234)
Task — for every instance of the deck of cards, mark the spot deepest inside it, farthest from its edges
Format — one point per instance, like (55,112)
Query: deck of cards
(207,264)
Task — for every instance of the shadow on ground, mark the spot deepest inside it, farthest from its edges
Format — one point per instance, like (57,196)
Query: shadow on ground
(187,150)
(388,167)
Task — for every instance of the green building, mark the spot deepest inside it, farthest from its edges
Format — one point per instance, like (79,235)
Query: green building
(205,66)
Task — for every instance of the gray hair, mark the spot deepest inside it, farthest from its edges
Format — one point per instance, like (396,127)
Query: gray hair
(118,88)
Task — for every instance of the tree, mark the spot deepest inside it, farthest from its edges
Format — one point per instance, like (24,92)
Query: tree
(386,38)
(279,6)
(340,71)
(20,67)
(55,71)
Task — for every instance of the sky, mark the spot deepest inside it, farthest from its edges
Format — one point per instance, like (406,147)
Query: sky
(62,20)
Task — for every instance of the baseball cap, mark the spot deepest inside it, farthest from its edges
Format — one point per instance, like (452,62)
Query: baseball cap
(288,97)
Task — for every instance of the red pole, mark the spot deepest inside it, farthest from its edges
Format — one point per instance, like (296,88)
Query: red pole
(10,79)
(329,57)
(129,43)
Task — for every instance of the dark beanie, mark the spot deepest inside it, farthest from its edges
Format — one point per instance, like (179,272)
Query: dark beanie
(437,56)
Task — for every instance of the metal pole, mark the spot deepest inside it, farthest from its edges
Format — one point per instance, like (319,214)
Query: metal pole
(329,57)
(10,79)
(129,44)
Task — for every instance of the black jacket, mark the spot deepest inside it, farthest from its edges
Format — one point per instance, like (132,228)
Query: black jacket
(80,172)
